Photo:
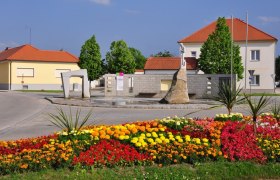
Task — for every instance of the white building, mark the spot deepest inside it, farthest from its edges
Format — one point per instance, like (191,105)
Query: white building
(261,49)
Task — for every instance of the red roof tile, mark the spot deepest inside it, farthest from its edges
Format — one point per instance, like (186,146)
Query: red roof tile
(139,70)
(239,33)
(169,63)
(30,53)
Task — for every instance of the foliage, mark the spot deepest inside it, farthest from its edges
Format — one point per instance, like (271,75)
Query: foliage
(139,59)
(215,57)
(275,110)
(209,170)
(90,59)
(163,54)
(110,154)
(229,117)
(240,144)
(277,68)
(120,59)
(257,108)
(229,96)
(66,122)
(162,142)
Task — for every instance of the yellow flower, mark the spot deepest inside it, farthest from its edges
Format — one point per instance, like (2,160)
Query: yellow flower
(158,140)
(121,137)
(154,135)
(187,138)
(150,140)
(148,135)
(205,140)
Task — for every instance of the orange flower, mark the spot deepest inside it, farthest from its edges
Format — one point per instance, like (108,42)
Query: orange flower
(24,166)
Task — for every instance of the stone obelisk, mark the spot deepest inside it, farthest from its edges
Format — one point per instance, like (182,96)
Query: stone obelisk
(178,92)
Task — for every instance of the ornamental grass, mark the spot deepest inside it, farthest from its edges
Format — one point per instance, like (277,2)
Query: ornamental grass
(163,142)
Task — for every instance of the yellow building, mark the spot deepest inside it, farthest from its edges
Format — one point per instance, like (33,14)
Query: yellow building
(26,67)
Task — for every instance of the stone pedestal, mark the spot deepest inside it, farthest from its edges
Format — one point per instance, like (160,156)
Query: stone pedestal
(178,93)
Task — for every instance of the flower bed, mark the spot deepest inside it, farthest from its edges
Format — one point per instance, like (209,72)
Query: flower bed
(166,141)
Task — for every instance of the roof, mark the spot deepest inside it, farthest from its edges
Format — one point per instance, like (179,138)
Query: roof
(30,53)
(139,70)
(239,32)
(169,63)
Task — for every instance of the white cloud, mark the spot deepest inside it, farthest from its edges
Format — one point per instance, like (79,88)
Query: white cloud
(102,2)
(3,45)
(267,19)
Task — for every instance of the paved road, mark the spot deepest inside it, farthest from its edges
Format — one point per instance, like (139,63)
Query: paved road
(25,115)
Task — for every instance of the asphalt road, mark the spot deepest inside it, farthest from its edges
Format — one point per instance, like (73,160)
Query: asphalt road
(24,115)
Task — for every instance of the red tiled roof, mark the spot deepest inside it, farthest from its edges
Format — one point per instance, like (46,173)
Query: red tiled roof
(239,33)
(169,63)
(30,53)
(139,70)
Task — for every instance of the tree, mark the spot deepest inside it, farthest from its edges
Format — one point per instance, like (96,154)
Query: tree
(163,54)
(119,58)
(277,68)
(90,59)
(215,57)
(139,59)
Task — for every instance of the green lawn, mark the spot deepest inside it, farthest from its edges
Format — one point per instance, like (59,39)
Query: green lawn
(266,94)
(213,170)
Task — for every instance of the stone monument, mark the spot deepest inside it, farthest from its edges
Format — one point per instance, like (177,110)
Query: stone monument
(65,77)
(178,92)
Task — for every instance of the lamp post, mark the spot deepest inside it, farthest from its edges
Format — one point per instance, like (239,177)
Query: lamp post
(251,72)
(273,77)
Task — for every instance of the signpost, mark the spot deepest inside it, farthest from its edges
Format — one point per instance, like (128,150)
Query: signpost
(119,81)
(251,72)
(119,87)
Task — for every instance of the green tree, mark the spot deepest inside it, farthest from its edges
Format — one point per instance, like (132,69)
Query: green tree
(90,59)
(139,59)
(119,58)
(163,54)
(215,57)
(277,68)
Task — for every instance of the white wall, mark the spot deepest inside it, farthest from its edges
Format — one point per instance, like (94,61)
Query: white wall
(264,67)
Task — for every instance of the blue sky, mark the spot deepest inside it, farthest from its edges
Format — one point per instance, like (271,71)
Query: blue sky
(148,25)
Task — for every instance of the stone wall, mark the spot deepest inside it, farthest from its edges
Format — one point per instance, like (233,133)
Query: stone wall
(144,85)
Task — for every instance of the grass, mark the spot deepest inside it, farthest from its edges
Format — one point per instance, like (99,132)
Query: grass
(265,94)
(45,91)
(213,170)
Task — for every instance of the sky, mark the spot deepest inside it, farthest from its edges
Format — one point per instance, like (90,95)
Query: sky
(150,26)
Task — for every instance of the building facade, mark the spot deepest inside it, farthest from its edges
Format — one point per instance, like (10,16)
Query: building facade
(258,55)
(28,68)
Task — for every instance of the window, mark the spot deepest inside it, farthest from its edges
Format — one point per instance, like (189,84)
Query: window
(193,53)
(255,55)
(25,72)
(58,72)
(255,80)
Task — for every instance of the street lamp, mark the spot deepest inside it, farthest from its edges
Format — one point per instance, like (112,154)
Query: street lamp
(273,77)
(251,72)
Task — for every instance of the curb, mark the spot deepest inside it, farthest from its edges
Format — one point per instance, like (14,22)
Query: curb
(88,103)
